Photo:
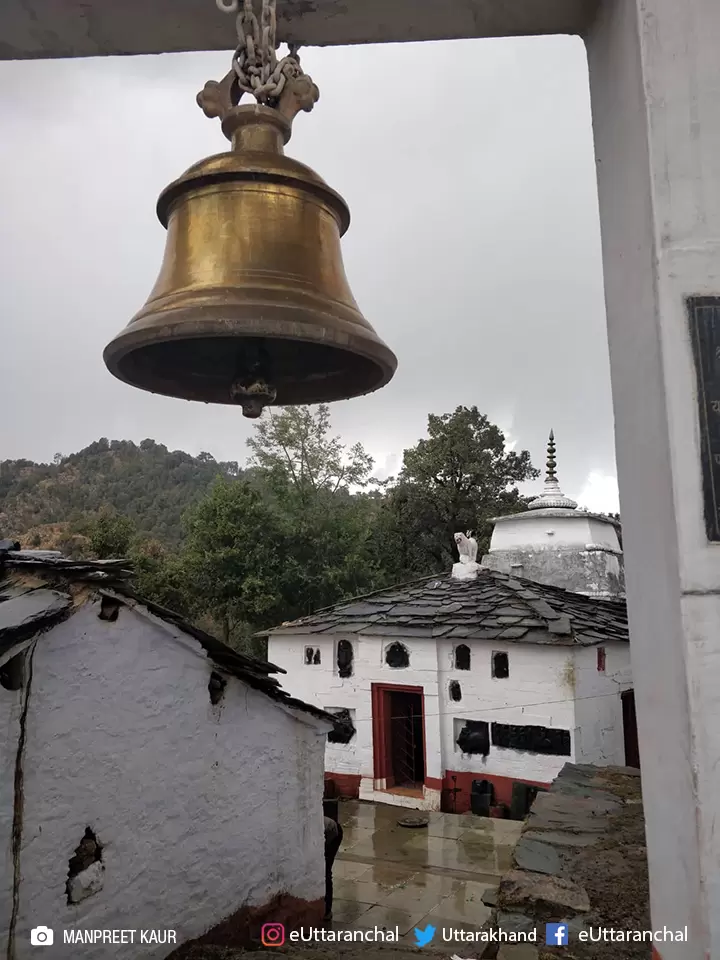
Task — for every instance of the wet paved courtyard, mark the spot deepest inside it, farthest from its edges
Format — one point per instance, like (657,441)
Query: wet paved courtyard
(386,875)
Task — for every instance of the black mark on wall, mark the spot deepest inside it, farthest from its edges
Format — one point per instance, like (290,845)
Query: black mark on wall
(312,656)
(546,740)
(704,319)
(474,737)
(344,729)
(345,658)
(455,691)
(397,656)
(12,672)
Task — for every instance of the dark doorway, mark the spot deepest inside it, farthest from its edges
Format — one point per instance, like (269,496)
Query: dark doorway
(407,750)
(632,751)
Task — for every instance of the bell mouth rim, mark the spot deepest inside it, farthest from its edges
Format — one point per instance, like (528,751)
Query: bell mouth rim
(378,357)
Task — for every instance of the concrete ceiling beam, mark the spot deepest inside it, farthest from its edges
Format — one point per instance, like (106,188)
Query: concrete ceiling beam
(41,29)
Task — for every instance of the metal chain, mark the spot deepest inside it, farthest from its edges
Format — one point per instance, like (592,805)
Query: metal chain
(258,69)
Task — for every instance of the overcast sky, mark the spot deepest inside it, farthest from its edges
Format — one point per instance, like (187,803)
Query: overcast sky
(474,246)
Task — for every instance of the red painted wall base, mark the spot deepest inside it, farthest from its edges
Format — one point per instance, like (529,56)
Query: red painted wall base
(502,786)
(347,785)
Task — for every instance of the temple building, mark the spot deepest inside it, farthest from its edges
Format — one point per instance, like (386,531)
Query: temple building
(486,680)
(554,542)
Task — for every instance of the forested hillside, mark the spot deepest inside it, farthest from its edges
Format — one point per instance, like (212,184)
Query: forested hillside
(301,526)
(47,504)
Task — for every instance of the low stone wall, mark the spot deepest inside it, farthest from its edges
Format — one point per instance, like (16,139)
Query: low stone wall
(581,860)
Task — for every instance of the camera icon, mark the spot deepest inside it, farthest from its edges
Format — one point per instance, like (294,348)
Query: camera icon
(41,937)
(273,935)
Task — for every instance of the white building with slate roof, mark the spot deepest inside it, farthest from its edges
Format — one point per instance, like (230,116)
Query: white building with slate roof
(150,776)
(478,676)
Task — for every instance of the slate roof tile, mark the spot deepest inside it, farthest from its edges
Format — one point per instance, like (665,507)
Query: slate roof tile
(22,615)
(494,605)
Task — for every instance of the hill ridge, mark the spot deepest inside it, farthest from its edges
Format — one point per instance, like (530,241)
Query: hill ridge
(46,503)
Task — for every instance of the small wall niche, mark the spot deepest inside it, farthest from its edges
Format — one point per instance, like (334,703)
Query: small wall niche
(345,656)
(109,609)
(216,687)
(397,656)
(500,665)
(312,656)
(462,657)
(455,691)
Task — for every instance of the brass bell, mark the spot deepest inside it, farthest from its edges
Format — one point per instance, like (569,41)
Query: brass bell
(252,305)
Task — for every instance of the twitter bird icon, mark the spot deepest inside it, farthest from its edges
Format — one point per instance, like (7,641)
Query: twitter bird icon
(423,937)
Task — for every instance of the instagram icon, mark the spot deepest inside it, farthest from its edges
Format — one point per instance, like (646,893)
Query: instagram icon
(272,935)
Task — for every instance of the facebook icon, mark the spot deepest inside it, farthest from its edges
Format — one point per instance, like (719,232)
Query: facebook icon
(556,934)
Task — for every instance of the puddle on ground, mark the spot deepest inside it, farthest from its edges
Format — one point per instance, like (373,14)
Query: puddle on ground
(387,875)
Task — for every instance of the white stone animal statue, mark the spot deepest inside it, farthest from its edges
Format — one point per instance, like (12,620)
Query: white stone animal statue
(468,567)
(467,547)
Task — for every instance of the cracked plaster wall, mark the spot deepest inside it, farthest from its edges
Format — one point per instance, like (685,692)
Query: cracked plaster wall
(200,809)
(11,702)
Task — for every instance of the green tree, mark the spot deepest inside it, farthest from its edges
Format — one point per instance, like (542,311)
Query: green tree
(160,575)
(110,535)
(314,484)
(457,479)
(232,558)
(295,444)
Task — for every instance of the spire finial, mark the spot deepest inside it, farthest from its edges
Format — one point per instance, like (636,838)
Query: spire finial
(551,461)
(552,496)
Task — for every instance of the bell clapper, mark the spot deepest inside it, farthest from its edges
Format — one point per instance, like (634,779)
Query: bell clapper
(251,388)
(252,396)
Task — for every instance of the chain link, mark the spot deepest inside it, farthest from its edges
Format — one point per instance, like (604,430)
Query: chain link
(255,61)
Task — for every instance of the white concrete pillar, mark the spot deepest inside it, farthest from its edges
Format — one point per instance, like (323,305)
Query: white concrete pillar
(655,86)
